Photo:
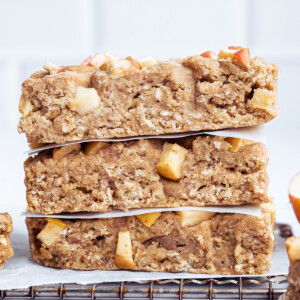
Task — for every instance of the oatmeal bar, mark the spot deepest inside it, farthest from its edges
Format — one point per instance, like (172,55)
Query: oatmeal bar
(293,250)
(123,97)
(186,241)
(194,171)
(6,228)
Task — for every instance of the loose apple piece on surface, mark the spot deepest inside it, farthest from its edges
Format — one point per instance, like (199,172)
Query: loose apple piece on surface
(269,207)
(94,147)
(149,218)
(61,152)
(170,161)
(237,143)
(51,231)
(85,100)
(123,258)
(294,194)
(293,248)
(209,54)
(194,217)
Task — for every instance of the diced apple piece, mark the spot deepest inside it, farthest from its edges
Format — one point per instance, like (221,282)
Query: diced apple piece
(228,53)
(209,54)
(3,241)
(61,152)
(133,62)
(109,58)
(50,233)
(121,67)
(293,248)
(147,61)
(86,61)
(263,99)
(237,143)
(94,147)
(269,207)
(25,107)
(36,145)
(46,253)
(170,161)
(85,100)
(123,258)
(51,68)
(236,48)
(194,217)
(294,195)
(97,60)
(149,218)
(242,57)
(80,69)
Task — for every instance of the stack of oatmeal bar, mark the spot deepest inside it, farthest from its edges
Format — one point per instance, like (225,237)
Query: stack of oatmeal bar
(76,107)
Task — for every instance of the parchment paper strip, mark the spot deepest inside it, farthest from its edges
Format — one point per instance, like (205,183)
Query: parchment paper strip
(255,133)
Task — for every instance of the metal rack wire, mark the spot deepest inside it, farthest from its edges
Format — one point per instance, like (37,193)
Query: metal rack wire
(238,288)
(266,287)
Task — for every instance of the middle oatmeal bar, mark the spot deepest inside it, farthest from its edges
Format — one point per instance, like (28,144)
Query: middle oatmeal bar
(190,241)
(193,171)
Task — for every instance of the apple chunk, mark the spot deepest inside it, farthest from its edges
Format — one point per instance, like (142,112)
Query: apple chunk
(170,161)
(149,218)
(237,143)
(85,100)
(293,248)
(123,258)
(194,217)
(51,231)
(94,147)
(294,194)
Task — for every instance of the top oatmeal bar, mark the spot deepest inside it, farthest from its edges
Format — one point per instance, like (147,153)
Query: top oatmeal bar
(107,97)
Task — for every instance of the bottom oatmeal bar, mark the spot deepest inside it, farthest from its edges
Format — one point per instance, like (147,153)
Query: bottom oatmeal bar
(189,241)
(6,228)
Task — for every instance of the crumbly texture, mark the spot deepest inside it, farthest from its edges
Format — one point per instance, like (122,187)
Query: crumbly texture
(191,94)
(6,228)
(124,176)
(225,244)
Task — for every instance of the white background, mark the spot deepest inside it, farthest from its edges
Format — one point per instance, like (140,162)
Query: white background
(67,31)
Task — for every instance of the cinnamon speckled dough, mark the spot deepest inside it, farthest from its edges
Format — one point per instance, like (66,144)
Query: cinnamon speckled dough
(124,176)
(174,96)
(225,244)
(6,228)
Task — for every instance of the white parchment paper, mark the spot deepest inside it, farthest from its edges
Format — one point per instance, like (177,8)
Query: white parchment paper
(22,271)
(253,210)
(256,133)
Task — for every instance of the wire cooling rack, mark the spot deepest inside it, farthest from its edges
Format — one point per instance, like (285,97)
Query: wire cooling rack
(269,287)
